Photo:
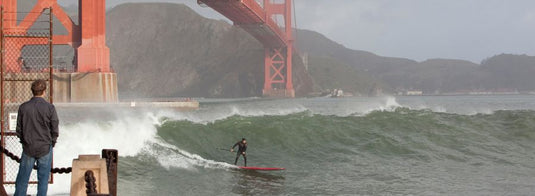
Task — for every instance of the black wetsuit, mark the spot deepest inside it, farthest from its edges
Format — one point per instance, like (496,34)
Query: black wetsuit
(241,149)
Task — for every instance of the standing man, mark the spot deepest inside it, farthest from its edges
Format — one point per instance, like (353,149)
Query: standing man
(242,147)
(37,129)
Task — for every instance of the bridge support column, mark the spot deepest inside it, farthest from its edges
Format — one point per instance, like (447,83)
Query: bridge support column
(278,80)
(93,54)
(95,80)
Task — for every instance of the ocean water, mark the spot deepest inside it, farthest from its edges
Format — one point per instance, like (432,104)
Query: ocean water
(450,145)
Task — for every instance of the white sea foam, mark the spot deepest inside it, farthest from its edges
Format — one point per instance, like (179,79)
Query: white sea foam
(224,111)
(129,134)
(170,156)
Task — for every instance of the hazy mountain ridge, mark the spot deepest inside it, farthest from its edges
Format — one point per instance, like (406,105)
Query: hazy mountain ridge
(509,72)
(505,72)
(168,50)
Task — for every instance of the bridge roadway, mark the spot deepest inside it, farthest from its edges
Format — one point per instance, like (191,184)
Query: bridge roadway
(250,16)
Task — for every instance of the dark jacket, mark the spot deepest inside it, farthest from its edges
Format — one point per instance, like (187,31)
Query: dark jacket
(241,147)
(37,126)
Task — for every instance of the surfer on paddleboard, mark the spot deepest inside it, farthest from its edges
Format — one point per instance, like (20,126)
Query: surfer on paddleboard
(242,147)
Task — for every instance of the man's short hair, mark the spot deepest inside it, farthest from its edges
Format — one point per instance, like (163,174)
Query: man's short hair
(38,87)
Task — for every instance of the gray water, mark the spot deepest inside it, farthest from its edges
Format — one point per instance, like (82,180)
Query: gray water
(437,145)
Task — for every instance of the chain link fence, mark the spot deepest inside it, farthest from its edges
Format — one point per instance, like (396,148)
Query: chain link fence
(26,57)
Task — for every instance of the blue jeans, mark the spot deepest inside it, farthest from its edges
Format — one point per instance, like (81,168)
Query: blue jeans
(44,164)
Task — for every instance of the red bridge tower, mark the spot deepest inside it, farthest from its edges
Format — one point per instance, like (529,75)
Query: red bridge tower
(277,40)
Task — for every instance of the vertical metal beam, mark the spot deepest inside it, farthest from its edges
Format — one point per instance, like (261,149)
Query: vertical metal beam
(51,67)
(93,53)
(267,59)
(2,190)
(289,48)
(51,60)
(10,13)
(267,70)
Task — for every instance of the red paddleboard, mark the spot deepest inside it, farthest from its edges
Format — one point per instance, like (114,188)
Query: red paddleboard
(262,168)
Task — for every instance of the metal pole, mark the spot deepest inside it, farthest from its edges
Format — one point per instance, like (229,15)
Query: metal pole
(289,49)
(50,58)
(2,190)
(51,69)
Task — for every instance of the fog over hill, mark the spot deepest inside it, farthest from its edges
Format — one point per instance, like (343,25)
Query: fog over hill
(168,50)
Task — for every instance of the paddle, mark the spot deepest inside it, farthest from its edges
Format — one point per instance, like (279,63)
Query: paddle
(228,150)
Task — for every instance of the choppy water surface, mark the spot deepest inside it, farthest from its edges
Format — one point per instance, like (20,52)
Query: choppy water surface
(454,145)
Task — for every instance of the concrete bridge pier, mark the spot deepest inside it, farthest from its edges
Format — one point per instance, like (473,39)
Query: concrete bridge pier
(85,87)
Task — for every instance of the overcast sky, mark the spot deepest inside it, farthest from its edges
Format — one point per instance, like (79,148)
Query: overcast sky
(416,29)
